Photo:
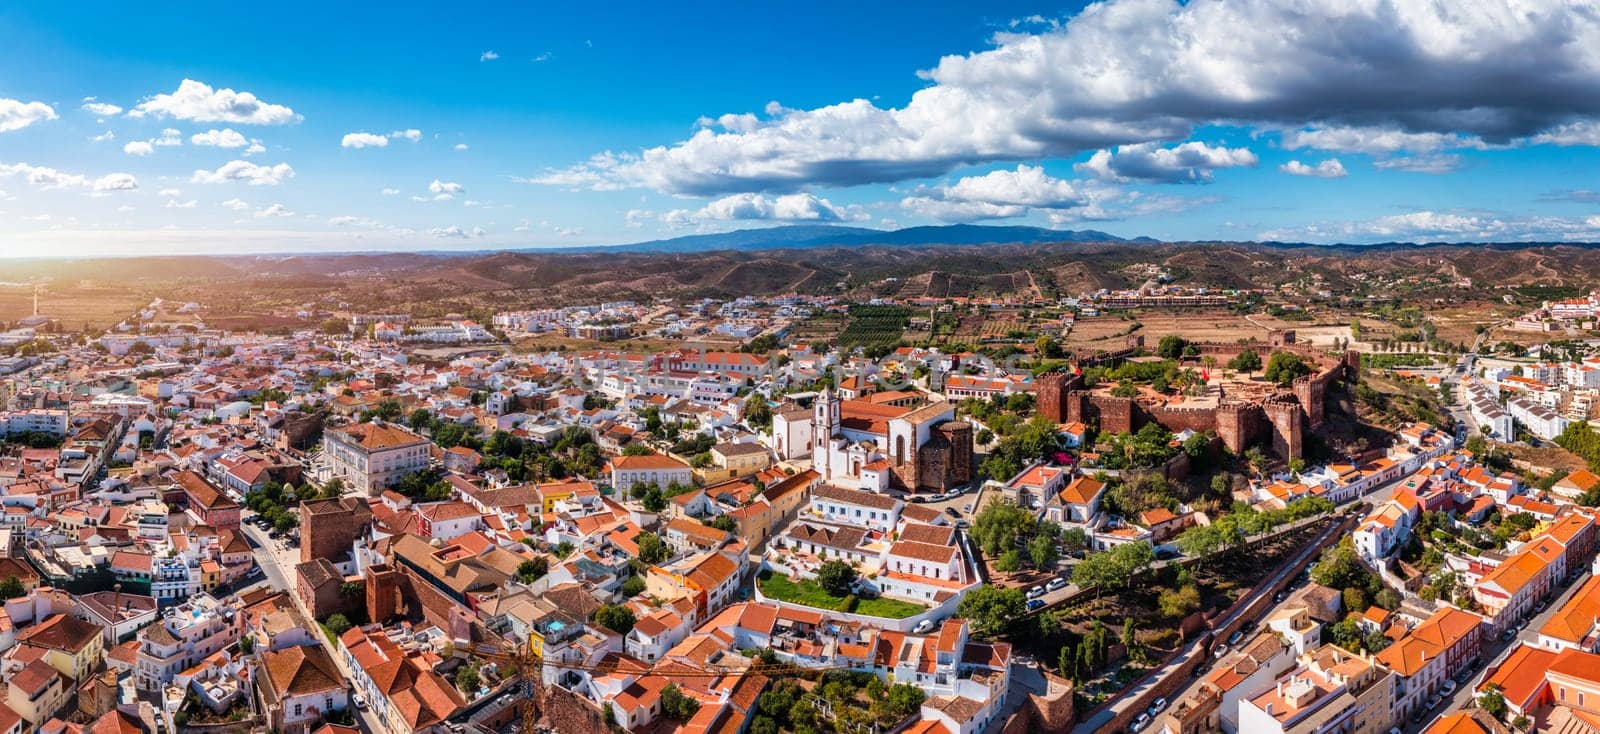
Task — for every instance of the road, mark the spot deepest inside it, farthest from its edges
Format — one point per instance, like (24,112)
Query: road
(1494,651)
(277,563)
(1102,718)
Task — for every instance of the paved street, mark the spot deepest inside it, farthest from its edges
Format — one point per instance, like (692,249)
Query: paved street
(277,564)
(1495,650)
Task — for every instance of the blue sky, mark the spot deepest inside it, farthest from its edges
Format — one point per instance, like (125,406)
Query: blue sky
(331,127)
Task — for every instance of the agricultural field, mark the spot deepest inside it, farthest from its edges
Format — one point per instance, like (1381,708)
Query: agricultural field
(1221,326)
(74,306)
(875,328)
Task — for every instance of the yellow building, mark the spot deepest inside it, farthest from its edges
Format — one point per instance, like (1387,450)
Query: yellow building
(72,646)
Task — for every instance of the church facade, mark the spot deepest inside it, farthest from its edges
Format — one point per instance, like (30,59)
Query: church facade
(865,445)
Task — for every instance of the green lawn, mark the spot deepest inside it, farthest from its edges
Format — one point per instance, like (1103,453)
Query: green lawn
(808,593)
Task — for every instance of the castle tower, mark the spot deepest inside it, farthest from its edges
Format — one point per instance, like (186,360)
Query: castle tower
(1286,417)
(383,592)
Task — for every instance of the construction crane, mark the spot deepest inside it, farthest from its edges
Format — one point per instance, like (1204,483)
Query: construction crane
(528,665)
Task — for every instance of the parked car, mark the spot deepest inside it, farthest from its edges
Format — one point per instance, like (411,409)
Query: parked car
(359,700)
(1140,723)
(1035,604)
(1220,650)
(1035,592)
(924,627)
(1056,584)
(1433,701)
(1234,638)
(966,507)
(1507,635)
(1449,687)
(1158,706)
(963,524)
(951,511)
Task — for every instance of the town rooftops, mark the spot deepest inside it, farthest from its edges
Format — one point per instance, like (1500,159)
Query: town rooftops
(854,497)
(376,436)
(649,462)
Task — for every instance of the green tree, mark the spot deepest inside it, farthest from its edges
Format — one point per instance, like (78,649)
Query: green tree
(836,577)
(1009,561)
(1245,361)
(1171,347)
(1042,551)
(633,587)
(677,706)
(11,588)
(338,624)
(1493,701)
(533,569)
(652,549)
(467,679)
(904,700)
(1284,367)
(615,617)
(991,608)
(1179,603)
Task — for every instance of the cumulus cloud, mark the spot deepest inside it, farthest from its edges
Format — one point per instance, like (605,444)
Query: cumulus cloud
(755,207)
(170,192)
(103,137)
(488,56)
(251,173)
(103,109)
(138,147)
(275,210)
(1001,194)
(175,204)
(455,232)
(45,177)
(1430,226)
(445,190)
(238,205)
(411,134)
(389,191)
(199,102)
(1433,163)
(1330,168)
(461,146)
(224,138)
(116,182)
(1127,72)
(363,140)
(1376,141)
(636,218)
(16,114)
(1191,162)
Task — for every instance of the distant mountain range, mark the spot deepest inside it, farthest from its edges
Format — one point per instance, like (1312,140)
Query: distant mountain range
(806,236)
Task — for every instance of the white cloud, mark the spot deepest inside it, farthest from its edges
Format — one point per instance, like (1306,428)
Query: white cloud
(786,208)
(199,102)
(275,210)
(471,202)
(175,204)
(1433,163)
(103,109)
(170,192)
(1127,72)
(1452,226)
(252,173)
(169,137)
(224,138)
(116,182)
(138,147)
(43,177)
(16,114)
(1005,194)
(363,140)
(411,134)
(454,232)
(488,56)
(255,147)
(445,189)
(541,58)
(637,217)
(103,137)
(1377,141)
(461,146)
(1191,162)
(387,191)
(350,221)
(1330,168)
(238,205)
